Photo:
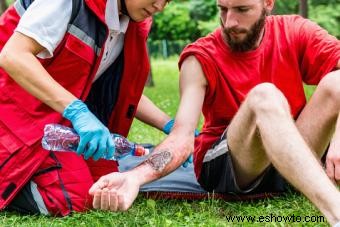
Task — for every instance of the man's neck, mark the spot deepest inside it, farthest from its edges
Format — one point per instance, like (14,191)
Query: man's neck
(260,39)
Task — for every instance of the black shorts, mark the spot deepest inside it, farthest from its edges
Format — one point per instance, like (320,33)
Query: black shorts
(217,174)
(24,202)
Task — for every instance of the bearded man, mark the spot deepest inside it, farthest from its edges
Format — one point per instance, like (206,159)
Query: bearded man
(259,132)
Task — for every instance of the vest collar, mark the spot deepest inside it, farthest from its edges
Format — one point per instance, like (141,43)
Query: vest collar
(98,7)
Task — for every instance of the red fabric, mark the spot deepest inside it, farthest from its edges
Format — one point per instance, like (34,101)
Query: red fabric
(18,164)
(73,66)
(101,167)
(134,78)
(293,51)
(63,181)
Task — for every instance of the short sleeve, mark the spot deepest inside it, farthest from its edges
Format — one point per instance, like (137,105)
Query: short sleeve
(209,68)
(319,52)
(46,22)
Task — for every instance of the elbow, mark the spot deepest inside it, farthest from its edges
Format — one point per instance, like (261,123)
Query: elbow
(7,58)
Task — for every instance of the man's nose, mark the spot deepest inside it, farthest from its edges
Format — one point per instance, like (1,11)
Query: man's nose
(230,20)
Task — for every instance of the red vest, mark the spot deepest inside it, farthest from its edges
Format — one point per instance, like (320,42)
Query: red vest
(73,65)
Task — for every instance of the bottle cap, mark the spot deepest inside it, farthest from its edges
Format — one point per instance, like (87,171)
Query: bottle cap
(141,151)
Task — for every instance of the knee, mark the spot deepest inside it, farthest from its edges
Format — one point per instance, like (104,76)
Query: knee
(80,197)
(266,98)
(329,86)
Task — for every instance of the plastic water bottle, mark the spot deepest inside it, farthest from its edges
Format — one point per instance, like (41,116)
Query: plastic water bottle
(61,138)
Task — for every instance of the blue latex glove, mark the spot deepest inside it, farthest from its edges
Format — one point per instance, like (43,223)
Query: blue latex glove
(95,138)
(167,129)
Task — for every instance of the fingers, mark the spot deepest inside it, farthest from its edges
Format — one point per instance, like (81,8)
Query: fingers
(99,185)
(92,146)
(190,159)
(104,147)
(110,148)
(337,173)
(109,200)
(113,200)
(105,199)
(330,170)
(81,146)
(97,199)
(122,203)
(101,150)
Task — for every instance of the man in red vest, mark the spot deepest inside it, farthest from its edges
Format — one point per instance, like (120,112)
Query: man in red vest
(67,62)
(247,77)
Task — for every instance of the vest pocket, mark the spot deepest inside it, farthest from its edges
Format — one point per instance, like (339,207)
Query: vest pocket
(80,48)
(9,144)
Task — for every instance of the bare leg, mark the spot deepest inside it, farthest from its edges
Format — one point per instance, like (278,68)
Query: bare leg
(317,121)
(263,132)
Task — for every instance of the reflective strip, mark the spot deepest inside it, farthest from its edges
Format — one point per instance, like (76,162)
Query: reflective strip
(38,198)
(19,8)
(75,31)
(217,151)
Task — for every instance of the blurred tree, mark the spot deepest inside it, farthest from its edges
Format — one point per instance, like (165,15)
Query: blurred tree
(3,6)
(286,7)
(327,16)
(174,23)
(202,10)
(303,8)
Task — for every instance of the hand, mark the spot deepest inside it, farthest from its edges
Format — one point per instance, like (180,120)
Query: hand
(115,191)
(95,138)
(188,161)
(167,129)
(333,161)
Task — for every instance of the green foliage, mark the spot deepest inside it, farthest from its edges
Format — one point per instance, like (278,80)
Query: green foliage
(174,23)
(190,19)
(202,10)
(286,7)
(327,16)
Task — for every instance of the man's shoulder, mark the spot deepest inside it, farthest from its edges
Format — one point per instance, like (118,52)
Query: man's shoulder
(205,47)
(292,26)
(286,19)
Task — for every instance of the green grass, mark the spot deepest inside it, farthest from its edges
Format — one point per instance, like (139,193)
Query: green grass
(147,212)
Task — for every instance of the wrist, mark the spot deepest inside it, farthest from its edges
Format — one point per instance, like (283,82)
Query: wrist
(168,126)
(75,108)
(137,176)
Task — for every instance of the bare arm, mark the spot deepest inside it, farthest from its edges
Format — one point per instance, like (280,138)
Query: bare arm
(117,191)
(150,114)
(180,143)
(18,59)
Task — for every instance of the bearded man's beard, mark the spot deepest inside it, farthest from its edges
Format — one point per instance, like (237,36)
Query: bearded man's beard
(251,38)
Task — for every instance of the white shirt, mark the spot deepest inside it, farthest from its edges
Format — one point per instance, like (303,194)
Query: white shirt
(46,22)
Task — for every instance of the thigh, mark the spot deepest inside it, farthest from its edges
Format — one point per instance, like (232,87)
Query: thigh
(245,146)
(316,121)
(218,174)
(63,181)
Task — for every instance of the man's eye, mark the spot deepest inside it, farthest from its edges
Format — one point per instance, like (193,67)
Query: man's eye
(223,10)
(242,10)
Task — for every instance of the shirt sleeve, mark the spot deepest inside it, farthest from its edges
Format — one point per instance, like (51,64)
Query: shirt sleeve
(46,22)
(319,52)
